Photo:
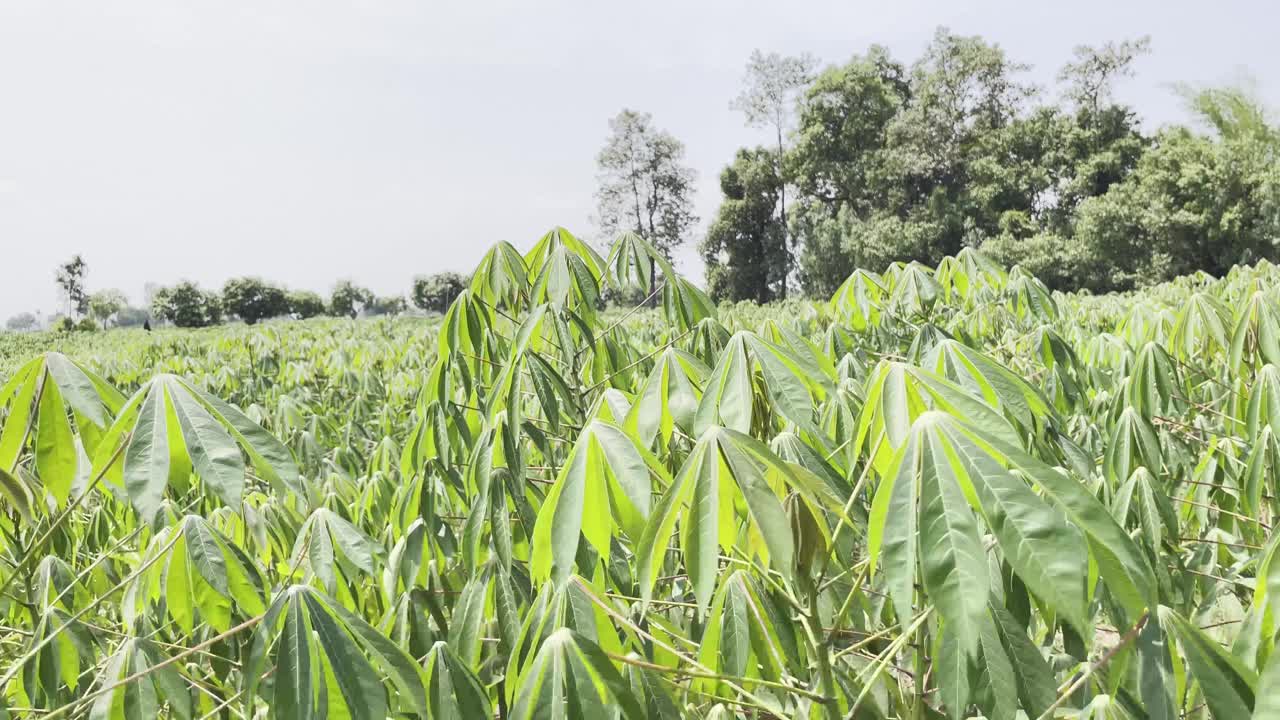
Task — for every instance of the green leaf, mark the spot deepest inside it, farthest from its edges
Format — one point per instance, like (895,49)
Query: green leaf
(146,459)
(1228,685)
(213,453)
(56,455)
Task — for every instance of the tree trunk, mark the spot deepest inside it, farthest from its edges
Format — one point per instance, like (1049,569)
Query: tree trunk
(786,240)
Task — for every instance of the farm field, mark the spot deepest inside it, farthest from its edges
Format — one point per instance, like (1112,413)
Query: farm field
(945,492)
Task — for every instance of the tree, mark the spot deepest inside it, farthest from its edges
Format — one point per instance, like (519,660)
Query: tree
(186,305)
(304,304)
(745,247)
(349,299)
(131,316)
(21,322)
(434,293)
(772,87)
(252,299)
(644,184)
(1091,77)
(105,304)
(387,305)
(1194,203)
(71,280)
(840,154)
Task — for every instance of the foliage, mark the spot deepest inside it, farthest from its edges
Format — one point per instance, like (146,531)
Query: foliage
(70,279)
(645,186)
(130,316)
(434,293)
(349,299)
(106,304)
(21,322)
(186,305)
(304,304)
(745,250)
(897,163)
(947,491)
(252,299)
(387,305)
(771,87)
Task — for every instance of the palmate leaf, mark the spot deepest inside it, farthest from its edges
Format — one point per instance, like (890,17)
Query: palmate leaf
(1228,685)
(57,406)
(913,291)
(859,300)
(452,690)
(604,486)
(945,471)
(792,384)
(632,262)
(725,471)
(1255,340)
(558,239)
(572,678)
(668,398)
(209,578)
(142,699)
(1029,298)
(742,639)
(569,605)
(329,662)
(1263,406)
(501,278)
(685,305)
(325,536)
(898,393)
(170,427)
(996,384)
(1202,328)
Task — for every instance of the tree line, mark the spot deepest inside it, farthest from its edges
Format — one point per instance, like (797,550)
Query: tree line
(248,299)
(876,161)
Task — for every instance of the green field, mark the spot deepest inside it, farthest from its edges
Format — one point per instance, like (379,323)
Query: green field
(945,492)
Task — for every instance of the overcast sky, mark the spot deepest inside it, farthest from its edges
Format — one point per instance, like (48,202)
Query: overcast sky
(313,140)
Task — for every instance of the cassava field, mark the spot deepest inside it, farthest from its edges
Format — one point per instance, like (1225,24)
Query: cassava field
(945,492)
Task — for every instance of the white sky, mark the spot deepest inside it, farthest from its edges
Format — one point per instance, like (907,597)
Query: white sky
(313,140)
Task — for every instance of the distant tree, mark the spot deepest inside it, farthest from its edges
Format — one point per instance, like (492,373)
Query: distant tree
(304,304)
(644,184)
(71,280)
(349,299)
(62,324)
(105,304)
(387,305)
(21,322)
(252,299)
(186,305)
(745,249)
(772,87)
(434,293)
(1090,78)
(132,316)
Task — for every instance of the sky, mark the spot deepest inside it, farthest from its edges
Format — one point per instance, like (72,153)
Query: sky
(313,140)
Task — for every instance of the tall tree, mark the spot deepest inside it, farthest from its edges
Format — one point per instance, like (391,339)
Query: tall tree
(1090,78)
(252,299)
(436,292)
(104,304)
(71,280)
(644,184)
(349,299)
(186,305)
(771,88)
(21,322)
(745,248)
